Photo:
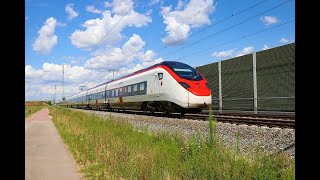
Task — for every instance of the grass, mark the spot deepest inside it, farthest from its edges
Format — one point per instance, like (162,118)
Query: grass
(106,149)
(34,106)
(32,109)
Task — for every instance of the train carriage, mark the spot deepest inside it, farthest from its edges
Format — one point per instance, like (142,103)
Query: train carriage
(166,87)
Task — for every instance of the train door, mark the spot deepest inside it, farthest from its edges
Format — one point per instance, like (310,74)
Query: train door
(87,99)
(160,82)
(154,86)
(105,95)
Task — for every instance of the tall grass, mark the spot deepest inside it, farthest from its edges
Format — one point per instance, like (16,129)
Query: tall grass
(28,110)
(107,149)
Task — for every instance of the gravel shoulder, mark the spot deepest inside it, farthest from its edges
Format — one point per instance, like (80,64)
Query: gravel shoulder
(268,139)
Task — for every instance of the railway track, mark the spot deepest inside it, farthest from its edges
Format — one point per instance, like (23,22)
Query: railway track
(248,119)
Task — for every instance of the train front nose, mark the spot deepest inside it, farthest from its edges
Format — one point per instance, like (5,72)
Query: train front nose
(199,95)
(202,102)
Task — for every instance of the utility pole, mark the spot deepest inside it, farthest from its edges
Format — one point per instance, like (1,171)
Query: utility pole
(62,82)
(55,89)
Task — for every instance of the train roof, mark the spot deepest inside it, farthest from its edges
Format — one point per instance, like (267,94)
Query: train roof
(166,63)
(137,72)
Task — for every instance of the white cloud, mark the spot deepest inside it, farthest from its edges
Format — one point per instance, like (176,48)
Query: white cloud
(148,56)
(180,5)
(53,72)
(107,4)
(268,20)
(265,47)
(73,60)
(149,12)
(223,54)
(71,13)
(46,39)
(233,52)
(246,50)
(153,2)
(284,40)
(93,10)
(121,7)
(98,31)
(40,82)
(61,24)
(118,57)
(179,23)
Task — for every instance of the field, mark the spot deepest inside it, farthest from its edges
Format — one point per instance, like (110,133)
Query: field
(105,149)
(33,106)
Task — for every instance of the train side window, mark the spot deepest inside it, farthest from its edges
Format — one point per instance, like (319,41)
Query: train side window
(160,76)
(116,94)
(135,87)
(112,93)
(141,86)
(129,89)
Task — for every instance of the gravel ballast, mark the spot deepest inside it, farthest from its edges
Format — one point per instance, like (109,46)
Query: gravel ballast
(268,139)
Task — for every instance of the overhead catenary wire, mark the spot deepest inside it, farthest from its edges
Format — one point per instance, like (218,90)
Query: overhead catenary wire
(218,22)
(226,29)
(119,20)
(244,36)
(192,16)
(244,10)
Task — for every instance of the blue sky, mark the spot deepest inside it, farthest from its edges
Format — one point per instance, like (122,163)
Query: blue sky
(91,39)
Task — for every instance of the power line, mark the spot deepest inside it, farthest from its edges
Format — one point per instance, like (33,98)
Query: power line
(192,16)
(244,36)
(244,10)
(120,20)
(233,15)
(240,23)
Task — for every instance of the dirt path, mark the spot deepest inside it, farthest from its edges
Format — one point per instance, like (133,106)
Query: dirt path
(46,156)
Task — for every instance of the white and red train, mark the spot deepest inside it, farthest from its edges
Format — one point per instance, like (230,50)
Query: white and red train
(165,87)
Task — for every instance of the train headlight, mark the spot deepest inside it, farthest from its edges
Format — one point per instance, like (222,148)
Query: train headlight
(185,85)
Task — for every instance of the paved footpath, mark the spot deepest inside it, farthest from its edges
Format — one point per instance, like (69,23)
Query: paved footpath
(46,156)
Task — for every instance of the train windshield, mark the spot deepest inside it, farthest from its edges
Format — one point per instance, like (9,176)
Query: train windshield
(184,71)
